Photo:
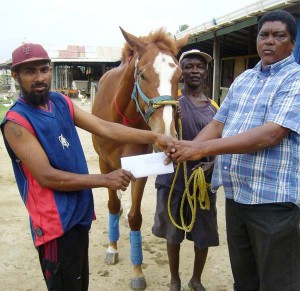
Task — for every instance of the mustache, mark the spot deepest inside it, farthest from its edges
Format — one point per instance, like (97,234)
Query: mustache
(39,84)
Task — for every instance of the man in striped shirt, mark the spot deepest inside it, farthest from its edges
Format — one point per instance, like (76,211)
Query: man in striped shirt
(256,134)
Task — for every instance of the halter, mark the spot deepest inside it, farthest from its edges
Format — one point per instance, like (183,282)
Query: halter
(152,103)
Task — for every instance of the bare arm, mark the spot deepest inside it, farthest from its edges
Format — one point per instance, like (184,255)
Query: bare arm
(117,131)
(27,148)
(211,131)
(253,140)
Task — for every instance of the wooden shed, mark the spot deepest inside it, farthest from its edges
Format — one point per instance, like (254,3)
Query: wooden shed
(78,68)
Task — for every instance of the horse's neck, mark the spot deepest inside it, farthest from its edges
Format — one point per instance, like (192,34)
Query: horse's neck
(125,88)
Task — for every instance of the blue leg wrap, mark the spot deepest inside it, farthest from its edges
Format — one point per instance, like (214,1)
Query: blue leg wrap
(113,224)
(136,254)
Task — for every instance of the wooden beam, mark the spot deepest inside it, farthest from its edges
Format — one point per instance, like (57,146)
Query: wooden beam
(199,38)
(225,30)
(237,26)
(216,69)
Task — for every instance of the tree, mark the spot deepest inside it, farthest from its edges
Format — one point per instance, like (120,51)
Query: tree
(182,27)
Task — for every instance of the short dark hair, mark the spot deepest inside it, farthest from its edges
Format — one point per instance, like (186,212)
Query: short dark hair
(284,17)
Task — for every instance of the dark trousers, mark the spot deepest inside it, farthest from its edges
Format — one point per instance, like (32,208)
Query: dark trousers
(64,261)
(264,246)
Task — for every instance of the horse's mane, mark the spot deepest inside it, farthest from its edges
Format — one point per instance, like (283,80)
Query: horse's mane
(160,38)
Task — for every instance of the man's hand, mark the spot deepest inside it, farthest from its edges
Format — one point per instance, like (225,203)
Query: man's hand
(118,179)
(164,142)
(184,150)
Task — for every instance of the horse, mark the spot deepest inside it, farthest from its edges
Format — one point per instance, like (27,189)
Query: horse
(139,93)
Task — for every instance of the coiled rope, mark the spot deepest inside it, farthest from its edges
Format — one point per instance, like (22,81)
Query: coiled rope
(199,186)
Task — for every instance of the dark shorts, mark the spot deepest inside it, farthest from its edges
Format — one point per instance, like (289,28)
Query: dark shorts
(264,246)
(64,261)
(204,233)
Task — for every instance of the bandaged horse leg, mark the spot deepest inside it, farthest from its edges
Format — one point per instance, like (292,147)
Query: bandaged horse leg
(136,256)
(135,222)
(112,255)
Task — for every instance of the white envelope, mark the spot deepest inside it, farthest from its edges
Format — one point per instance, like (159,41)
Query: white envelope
(147,165)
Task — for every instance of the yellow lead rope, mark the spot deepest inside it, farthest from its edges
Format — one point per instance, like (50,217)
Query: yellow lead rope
(199,186)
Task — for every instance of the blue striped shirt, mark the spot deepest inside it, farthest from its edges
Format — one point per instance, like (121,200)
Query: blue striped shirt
(255,98)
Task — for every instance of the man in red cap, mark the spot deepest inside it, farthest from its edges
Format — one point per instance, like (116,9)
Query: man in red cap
(51,171)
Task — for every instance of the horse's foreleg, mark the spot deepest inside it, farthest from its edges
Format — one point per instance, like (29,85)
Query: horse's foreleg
(135,222)
(114,206)
(127,209)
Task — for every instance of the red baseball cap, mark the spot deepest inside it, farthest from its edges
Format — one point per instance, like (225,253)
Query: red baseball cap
(28,52)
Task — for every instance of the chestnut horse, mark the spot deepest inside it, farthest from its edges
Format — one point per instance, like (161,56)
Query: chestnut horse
(140,93)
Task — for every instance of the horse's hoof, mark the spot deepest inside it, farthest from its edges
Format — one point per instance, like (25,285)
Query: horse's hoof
(138,283)
(111,258)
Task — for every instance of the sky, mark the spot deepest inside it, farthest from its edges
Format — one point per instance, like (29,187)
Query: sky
(96,22)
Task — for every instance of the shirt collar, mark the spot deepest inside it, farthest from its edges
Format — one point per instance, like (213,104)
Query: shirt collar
(276,66)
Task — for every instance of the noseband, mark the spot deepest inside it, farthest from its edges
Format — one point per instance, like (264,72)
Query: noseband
(152,103)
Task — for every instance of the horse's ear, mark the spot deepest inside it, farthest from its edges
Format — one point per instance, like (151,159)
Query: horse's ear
(182,41)
(134,42)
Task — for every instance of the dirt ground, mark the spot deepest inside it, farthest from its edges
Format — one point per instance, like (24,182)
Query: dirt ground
(19,265)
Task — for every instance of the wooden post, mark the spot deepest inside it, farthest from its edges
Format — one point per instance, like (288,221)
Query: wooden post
(216,69)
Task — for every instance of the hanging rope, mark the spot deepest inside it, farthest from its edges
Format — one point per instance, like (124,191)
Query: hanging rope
(199,186)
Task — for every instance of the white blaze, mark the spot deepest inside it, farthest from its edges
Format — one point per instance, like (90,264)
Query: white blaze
(165,67)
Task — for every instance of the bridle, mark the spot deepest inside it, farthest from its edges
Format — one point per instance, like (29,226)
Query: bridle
(152,103)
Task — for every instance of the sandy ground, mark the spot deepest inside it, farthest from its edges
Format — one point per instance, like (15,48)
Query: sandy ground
(19,265)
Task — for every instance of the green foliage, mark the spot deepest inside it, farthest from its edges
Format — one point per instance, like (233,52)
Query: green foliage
(182,27)
(4,109)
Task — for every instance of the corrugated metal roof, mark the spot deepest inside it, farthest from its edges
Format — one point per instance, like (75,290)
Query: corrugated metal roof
(248,11)
(236,32)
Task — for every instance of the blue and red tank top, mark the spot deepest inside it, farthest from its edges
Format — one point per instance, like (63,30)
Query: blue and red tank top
(52,212)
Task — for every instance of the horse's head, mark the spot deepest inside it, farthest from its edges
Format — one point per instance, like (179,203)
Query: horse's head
(156,78)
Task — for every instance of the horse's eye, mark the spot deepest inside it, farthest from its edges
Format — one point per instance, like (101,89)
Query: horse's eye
(143,77)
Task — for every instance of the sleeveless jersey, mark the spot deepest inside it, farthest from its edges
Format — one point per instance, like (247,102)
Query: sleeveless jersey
(52,212)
